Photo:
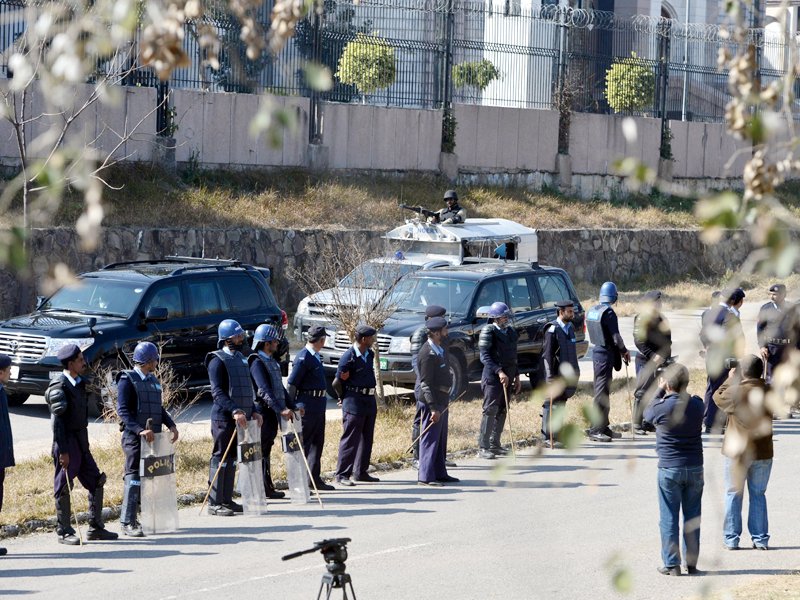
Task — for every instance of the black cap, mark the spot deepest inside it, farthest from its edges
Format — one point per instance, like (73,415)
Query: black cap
(653,295)
(777,287)
(436,323)
(5,361)
(316,333)
(565,304)
(450,195)
(363,331)
(68,353)
(734,295)
(434,310)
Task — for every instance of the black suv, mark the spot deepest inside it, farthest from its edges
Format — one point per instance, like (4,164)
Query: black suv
(175,302)
(530,291)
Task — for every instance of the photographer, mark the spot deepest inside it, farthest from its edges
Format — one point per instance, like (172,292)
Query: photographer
(678,418)
(747,447)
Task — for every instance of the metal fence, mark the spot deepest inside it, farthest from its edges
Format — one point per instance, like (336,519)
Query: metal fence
(431,53)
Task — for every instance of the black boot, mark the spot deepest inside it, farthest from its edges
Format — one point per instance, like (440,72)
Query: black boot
(130,504)
(497,425)
(269,487)
(97,530)
(227,489)
(215,495)
(66,534)
(546,424)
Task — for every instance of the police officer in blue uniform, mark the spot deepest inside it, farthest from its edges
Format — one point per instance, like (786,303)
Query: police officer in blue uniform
(307,387)
(234,404)
(271,397)
(497,344)
(560,356)
(434,381)
(418,338)
(607,356)
(142,415)
(653,338)
(773,338)
(69,405)
(723,339)
(6,442)
(359,409)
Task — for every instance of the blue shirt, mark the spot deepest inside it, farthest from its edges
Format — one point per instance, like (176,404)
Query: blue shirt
(308,374)
(679,423)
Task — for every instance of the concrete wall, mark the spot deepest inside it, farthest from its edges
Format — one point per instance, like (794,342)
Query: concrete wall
(588,255)
(373,137)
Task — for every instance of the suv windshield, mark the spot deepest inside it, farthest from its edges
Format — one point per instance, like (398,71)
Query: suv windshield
(376,275)
(413,294)
(94,296)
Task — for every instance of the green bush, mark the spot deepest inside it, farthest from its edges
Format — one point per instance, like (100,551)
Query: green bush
(368,63)
(630,84)
(479,74)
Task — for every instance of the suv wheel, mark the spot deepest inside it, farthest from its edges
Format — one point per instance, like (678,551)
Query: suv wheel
(459,373)
(17,399)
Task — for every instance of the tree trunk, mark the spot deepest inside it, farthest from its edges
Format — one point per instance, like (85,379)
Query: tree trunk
(376,365)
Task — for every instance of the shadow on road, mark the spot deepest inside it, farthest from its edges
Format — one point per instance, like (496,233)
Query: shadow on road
(58,571)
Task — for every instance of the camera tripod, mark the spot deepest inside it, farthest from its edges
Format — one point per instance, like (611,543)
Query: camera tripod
(334,551)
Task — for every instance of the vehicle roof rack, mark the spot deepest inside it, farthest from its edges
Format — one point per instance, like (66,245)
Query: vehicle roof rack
(174,260)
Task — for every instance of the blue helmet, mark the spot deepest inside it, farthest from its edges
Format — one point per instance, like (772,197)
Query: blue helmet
(608,292)
(265,333)
(498,309)
(145,352)
(228,329)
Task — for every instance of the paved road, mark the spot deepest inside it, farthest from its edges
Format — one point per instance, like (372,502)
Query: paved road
(545,527)
(31,422)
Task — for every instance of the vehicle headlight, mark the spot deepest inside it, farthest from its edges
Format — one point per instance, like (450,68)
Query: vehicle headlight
(331,339)
(56,344)
(400,345)
(302,308)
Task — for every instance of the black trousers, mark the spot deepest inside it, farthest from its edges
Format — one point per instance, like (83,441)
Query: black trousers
(2,480)
(269,431)
(81,464)
(355,447)
(710,418)
(313,441)
(603,363)
(646,389)
(132,448)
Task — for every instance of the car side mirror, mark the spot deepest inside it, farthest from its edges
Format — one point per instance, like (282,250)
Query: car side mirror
(156,313)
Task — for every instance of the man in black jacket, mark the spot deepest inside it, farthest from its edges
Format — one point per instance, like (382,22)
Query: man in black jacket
(434,381)
(560,356)
(69,406)
(653,338)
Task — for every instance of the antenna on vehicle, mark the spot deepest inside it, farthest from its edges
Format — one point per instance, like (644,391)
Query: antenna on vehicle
(203,242)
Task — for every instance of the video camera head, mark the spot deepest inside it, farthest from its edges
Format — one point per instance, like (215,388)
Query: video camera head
(334,551)
(730,363)
(668,362)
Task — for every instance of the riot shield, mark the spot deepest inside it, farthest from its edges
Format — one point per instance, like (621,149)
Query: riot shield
(158,496)
(251,477)
(296,472)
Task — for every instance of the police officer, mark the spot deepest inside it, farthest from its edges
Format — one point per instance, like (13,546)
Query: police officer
(142,415)
(451,215)
(307,387)
(607,356)
(418,338)
(69,405)
(6,442)
(723,339)
(772,338)
(560,356)
(271,397)
(234,404)
(434,381)
(497,344)
(653,338)
(359,409)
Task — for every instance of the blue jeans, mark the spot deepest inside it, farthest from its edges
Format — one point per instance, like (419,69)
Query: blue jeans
(680,488)
(757,521)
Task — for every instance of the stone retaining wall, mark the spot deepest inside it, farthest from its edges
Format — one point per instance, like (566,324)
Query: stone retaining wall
(589,255)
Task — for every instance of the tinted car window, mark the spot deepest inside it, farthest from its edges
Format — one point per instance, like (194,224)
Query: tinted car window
(414,294)
(206,297)
(169,297)
(243,294)
(553,288)
(94,296)
(519,298)
(491,291)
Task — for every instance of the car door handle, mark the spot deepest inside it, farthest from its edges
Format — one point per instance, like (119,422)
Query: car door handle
(541,320)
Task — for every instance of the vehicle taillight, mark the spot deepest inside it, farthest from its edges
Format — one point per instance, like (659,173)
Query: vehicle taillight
(285,320)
